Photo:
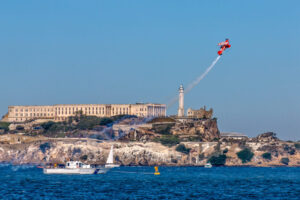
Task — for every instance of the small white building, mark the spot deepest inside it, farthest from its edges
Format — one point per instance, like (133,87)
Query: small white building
(233,135)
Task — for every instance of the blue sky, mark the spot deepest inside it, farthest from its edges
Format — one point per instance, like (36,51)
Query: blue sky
(55,52)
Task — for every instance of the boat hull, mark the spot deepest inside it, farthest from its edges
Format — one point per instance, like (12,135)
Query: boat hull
(111,165)
(73,171)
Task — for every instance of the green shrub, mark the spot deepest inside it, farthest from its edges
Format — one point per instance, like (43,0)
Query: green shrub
(169,140)
(225,151)
(195,139)
(297,146)
(89,122)
(84,157)
(47,125)
(44,147)
(4,125)
(292,151)
(201,156)
(267,156)
(285,161)
(105,121)
(162,119)
(163,129)
(121,117)
(56,129)
(245,155)
(181,148)
(218,160)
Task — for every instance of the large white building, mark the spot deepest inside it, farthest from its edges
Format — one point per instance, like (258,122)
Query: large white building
(61,112)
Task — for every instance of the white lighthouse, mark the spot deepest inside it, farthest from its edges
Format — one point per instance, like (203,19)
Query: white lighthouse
(181,102)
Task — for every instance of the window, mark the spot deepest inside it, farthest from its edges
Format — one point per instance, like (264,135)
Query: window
(16,110)
(16,114)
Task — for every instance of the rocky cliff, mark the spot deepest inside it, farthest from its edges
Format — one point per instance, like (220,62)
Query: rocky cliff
(205,130)
(23,149)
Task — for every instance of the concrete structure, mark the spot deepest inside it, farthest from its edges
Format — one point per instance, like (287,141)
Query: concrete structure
(201,113)
(61,112)
(181,102)
(234,135)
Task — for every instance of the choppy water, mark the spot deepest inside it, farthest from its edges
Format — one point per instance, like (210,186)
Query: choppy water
(29,182)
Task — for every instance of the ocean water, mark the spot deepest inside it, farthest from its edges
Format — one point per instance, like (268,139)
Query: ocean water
(29,182)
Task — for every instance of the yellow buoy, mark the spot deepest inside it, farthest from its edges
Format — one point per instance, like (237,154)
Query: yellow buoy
(156,171)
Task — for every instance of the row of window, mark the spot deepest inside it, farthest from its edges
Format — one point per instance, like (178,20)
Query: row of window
(34,115)
(78,108)
(34,110)
(74,112)
(64,118)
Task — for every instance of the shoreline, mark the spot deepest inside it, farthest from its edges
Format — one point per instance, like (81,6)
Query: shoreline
(178,166)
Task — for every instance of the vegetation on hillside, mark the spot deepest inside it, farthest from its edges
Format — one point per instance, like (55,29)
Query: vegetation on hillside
(162,120)
(169,140)
(163,129)
(297,146)
(217,160)
(267,156)
(285,161)
(182,148)
(44,147)
(245,155)
(73,126)
(84,157)
(4,126)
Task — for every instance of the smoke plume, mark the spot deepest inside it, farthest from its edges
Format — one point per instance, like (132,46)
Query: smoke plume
(195,82)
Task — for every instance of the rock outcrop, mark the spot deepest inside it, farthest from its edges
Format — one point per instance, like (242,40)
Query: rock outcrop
(202,130)
(23,150)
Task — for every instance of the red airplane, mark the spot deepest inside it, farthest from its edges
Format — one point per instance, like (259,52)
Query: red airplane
(224,45)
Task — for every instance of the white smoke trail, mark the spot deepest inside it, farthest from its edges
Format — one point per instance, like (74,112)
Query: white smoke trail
(195,82)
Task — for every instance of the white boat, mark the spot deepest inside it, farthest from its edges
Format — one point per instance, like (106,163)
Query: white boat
(75,167)
(208,165)
(110,159)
